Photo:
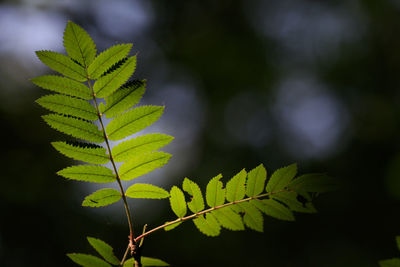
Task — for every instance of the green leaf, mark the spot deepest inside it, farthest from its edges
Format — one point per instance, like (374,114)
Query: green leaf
(208,225)
(274,209)
(88,173)
(197,202)
(140,145)
(314,182)
(108,58)
(95,155)
(172,226)
(63,85)
(252,217)
(62,64)
(177,201)
(142,164)
(69,106)
(146,191)
(123,99)
(110,82)
(104,249)
(78,44)
(102,197)
(229,219)
(215,194)
(146,262)
(87,260)
(235,188)
(290,199)
(395,262)
(256,180)
(281,178)
(133,121)
(75,127)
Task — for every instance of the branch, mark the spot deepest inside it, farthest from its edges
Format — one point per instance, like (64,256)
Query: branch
(194,215)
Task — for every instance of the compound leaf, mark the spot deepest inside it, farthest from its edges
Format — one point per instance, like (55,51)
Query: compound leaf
(235,188)
(208,225)
(110,82)
(69,106)
(62,64)
(63,85)
(143,164)
(123,99)
(104,249)
(108,58)
(86,260)
(256,180)
(290,199)
(229,219)
(74,127)
(274,209)
(281,178)
(314,182)
(140,145)
(146,191)
(88,173)
(215,194)
(177,201)
(197,202)
(102,197)
(252,217)
(95,155)
(78,44)
(133,121)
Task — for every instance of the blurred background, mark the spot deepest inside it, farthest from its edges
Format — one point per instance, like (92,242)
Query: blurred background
(244,83)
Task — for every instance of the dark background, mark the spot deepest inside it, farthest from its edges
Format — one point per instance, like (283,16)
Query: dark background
(244,82)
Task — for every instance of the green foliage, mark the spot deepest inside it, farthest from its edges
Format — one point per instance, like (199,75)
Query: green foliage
(75,127)
(123,99)
(110,82)
(107,59)
(235,188)
(395,262)
(133,121)
(95,86)
(87,260)
(177,201)
(62,64)
(143,164)
(102,197)
(88,173)
(281,178)
(256,180)
(146,191)
(140,145)
(95,155)
(78,44)
(104,249)
(215,193)
(197,202)
(63,85)
(232,209)
(69,106)
(146,262)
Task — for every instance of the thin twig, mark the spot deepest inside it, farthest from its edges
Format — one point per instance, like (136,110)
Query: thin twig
(205,211)
(127,211)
